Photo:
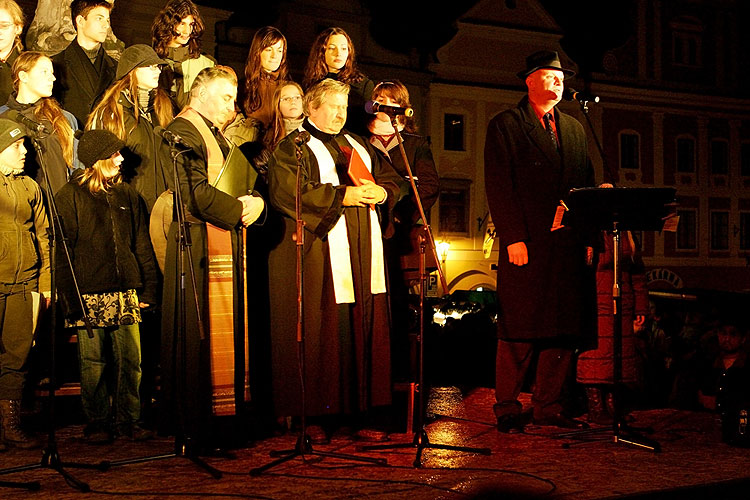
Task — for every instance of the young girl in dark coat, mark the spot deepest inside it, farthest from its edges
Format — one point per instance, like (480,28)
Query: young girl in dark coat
(105,223)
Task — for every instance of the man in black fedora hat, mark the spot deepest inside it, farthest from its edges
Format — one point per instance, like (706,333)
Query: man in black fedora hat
(534,154)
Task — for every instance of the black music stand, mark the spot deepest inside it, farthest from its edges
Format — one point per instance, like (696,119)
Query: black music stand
(616,210)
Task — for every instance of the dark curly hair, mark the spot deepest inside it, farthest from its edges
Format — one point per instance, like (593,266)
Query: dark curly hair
(163,28)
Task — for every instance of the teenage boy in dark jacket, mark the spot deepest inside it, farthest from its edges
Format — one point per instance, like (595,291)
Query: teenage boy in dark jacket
(84,70)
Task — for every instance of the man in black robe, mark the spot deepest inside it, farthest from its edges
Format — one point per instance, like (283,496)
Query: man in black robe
(534,154)
(346,330)
(84,70)
(189,367)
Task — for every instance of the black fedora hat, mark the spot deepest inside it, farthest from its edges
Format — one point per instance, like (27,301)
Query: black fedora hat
(544,59)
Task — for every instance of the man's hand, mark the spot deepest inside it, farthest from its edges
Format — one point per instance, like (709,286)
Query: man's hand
(368,193)
(252,207)
(517,253)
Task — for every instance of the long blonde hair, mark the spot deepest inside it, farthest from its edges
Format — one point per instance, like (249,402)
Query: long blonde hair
(93,179)
(108,114)
(47,107)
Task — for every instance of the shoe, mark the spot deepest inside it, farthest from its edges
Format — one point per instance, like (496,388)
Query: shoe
(371,436)
(598,413)
(10,426)
(510,424)
(135,432)
(560,420)
(317,435)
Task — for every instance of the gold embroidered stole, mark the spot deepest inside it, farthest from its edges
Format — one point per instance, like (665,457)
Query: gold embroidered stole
(220,290)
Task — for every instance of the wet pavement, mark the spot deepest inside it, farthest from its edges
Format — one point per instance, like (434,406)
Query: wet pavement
(539,463)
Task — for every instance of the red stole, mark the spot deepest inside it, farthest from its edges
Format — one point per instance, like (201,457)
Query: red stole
(220,290)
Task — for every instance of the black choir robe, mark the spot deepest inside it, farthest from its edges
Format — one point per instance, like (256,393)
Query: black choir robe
(186,405)
(347,349)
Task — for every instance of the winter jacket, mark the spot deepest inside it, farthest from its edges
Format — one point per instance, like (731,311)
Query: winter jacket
(24,242)
(80,84)
(107,235)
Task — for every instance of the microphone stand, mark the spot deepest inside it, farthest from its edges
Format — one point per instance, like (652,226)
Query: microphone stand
(618,421)
(421,439)
(303,446)
(183,445)
(50,454)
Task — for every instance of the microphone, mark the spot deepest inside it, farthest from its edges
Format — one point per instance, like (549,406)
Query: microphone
(302,138)
(373,107)
(32,125)
(172,138)
(571,94)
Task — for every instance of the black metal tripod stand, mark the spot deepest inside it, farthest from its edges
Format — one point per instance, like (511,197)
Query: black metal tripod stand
(50,454)
(421,440)
(184,446)
(615,210)
(303,446)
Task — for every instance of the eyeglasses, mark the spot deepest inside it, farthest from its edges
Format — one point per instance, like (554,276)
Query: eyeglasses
(291,98)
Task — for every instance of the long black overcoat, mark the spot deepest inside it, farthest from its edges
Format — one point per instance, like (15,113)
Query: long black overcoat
(525,179)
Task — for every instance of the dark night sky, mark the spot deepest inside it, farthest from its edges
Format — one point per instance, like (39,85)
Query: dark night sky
(590,28)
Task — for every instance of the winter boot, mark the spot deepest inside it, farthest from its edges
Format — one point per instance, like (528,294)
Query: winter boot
(10,420)
(598,413)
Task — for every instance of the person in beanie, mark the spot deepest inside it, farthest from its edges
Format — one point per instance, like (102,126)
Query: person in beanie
(105,224)
(131,108)
(24,274)
(534,154)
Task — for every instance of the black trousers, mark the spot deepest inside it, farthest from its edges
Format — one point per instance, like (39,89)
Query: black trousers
(512,363)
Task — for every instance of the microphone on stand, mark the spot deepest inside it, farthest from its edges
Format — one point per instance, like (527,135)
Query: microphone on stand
(571,94)
(32,125)
(374,107)
(172,138)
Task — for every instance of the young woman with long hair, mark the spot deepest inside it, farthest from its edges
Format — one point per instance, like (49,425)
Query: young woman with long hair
(287,113)
(332,56)
(106,225)
(131,108)
(33,79)
(264,69)
(175,36)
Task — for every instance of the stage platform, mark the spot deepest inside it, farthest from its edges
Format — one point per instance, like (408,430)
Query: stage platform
(539,463)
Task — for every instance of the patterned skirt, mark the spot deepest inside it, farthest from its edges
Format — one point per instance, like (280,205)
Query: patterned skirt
(109,309)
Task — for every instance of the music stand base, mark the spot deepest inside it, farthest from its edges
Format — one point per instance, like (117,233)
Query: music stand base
(184,450)
(421,442)
(303,448)
(51,460)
